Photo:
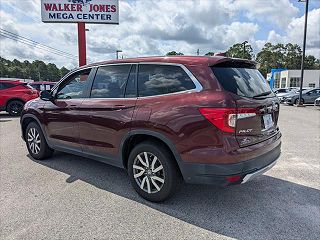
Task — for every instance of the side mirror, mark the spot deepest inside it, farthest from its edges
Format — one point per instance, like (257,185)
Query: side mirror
(46,96)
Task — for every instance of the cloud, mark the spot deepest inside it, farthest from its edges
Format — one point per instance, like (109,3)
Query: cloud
(294,33)
(277,12)
(155,27)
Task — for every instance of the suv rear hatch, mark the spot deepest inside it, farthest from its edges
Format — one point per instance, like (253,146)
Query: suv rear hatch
(257,112)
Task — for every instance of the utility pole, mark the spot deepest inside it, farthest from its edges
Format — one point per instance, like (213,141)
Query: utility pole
(117,53)
(303,50)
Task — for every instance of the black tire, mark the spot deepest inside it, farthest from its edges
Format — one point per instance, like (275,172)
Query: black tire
(296,102)
(169,172)
(14,108)
(34,134)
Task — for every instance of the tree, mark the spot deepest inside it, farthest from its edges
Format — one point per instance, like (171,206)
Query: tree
(63,71)
(269,58)
(310,62)
(292,56)
(283,56)
(53,72)
(37,70)
(172,53)
(209,54)
(240,50)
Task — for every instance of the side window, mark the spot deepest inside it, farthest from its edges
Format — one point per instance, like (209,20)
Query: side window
(131,89)
(6,85)
(35,86)
(162,79)
(110,81)
(73,87)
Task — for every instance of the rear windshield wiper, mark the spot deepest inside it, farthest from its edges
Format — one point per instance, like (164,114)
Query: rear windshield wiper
(262,94)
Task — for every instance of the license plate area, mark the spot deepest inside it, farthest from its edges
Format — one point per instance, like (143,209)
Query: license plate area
(267,121)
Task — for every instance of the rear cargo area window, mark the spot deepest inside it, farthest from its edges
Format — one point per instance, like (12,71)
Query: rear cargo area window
(162,79)
(245,82)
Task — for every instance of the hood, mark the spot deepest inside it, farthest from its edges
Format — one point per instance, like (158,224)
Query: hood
(282,94)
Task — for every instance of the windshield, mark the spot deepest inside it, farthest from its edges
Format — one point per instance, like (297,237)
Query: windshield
(303,90)
(245,82)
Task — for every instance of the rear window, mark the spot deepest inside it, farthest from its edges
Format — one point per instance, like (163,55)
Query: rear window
(162,79)
(245,82)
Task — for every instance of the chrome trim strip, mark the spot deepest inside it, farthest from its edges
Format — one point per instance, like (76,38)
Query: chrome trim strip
(198,87)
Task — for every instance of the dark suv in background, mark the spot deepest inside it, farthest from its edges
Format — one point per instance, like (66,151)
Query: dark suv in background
(210,120)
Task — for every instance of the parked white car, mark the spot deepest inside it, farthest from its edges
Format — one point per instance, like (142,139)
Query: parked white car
(280,92)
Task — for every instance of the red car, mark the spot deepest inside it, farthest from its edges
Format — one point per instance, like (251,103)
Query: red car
(14,94)
(210,120)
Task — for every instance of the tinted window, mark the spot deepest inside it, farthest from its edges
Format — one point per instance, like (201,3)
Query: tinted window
(131,89)
(244,82)
(110,81)
(74,86)
(281,91)
(162,79)
(314,92)
(35,86)
(6,85)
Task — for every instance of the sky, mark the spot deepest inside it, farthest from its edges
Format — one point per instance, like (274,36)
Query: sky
(155,27)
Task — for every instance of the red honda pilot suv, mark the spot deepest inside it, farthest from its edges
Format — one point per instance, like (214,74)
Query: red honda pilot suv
(209,120)
(14,94)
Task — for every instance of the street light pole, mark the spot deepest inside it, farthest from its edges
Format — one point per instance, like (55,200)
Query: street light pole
(303,50)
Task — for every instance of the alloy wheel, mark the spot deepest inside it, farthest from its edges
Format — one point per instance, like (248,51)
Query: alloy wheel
(34,141)
(148,172)
(16,108)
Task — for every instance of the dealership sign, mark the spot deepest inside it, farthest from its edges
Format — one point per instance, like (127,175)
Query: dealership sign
(88,11)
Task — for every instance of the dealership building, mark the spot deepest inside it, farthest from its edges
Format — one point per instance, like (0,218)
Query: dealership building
(284,78)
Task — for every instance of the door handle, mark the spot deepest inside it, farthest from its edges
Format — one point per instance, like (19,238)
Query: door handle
(72,106)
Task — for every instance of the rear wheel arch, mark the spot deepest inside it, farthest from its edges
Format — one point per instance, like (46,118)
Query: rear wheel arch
(136,137)
(13,99)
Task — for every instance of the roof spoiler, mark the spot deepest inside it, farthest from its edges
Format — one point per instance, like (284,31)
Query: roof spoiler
(234,62)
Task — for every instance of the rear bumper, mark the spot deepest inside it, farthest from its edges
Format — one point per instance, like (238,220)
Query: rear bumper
(220,174)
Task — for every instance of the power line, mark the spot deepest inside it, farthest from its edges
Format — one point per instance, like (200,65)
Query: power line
(35,46)
(26,43)
(34,42)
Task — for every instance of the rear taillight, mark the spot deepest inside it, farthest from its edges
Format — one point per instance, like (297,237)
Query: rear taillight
(226,118)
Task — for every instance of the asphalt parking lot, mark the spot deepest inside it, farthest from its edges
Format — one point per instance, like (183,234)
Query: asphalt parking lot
(69,197)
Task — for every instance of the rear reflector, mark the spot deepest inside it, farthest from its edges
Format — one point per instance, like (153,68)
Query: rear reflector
(233,179)
(226,118)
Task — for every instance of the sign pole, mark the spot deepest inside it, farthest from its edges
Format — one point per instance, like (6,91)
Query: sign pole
(82,44)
